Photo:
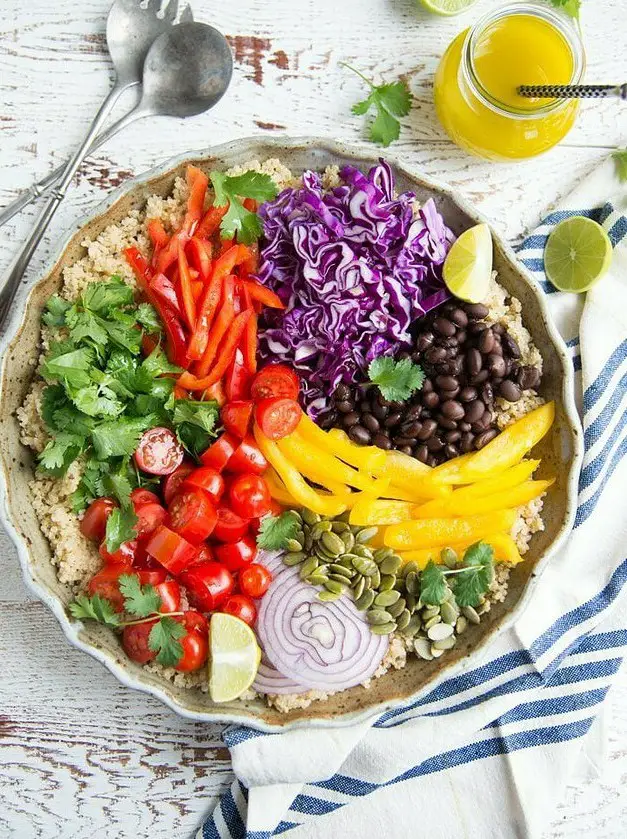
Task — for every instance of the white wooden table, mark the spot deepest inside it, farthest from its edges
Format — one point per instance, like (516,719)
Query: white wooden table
(80,755)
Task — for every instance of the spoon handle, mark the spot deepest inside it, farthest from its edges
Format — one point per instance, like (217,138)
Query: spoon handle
(41,187)
(23,258)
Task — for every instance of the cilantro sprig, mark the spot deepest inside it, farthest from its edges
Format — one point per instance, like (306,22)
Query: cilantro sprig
(397,380)
(390,101)
(571,7)
(620,162)
(229,190)
(143,603)
(469,583)
(275,531)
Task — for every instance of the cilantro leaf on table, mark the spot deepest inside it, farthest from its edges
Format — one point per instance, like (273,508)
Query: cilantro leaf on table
(164,640)
(571,7)
(94,608)
(397,380)
(275,531)
(433,587)
(139,600)
(229,189)
(620,162)
(476,574)
(391,101)
(120,528)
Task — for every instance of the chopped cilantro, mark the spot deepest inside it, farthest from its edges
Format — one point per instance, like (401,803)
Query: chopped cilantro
(275,531)
(397,380)
(238,220)
(139,600)
(164,640)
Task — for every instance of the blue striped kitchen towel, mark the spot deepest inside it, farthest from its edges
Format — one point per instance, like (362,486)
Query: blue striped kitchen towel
(489,752)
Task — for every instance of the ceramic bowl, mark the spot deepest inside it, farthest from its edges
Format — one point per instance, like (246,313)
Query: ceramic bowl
(560,450)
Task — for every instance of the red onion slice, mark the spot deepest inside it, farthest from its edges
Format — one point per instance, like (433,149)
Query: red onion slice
(269,680)
(328,646)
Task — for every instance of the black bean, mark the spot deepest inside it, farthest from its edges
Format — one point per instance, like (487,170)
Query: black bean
(477,327)
(403,354)
(510,346)
(433,460)
(421,453)
(486,342)
(473,361)
(447,424)
(459,317)
(474,411)
(496,365)
(451,451)
(497,349)
(480,378)
(345,406)
(444,327)
(435,443)
(461,336)
(487,394)
(406,450)
(467,394)
(411,429)
(424,341)
(435,355)
(452,409)
(483,439)
(380,411)
(463,426)
(364,406)
(456,365)
(342,393)
(359,434)
(431,400)
(467,442)
(429,427)
(448,394)
(427,385)
(348,420)
(476,311)
(453,436)
(413,413)
(446,382)
(510,391)
(371,423)
(498,328)
(392,420)
(528,377)
(382,442)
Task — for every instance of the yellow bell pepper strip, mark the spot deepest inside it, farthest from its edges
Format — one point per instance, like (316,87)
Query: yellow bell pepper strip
(411,475)
(427,533)
(277,489)
(504,547)
(313,462)
(371,511)
(368,458)
(295,484)
(504,480)
(507,499)
(396,493)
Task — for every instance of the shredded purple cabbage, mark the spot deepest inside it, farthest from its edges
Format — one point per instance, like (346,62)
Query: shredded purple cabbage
(355,268)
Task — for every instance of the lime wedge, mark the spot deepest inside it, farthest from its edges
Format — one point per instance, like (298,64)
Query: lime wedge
(468,266)
(577,254)
(447,7)
(234,657)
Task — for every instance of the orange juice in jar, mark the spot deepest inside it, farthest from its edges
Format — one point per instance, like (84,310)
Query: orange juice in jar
(476,83)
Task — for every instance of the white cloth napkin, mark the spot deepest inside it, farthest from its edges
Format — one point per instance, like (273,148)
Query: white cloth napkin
(490,752)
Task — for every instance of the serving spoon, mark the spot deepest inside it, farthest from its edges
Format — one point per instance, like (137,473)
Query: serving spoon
(186,71)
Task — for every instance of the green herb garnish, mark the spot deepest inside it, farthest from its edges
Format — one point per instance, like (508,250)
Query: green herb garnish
(470,582)
(391,101)
(94,608)
(238,220)
(397,380)
(275,531)
(620,162)
(139,600)
(164,640)
(571,7)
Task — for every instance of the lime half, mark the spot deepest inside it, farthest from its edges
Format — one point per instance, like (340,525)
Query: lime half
(234,657)
(447,7)
(468,266)
(577,254)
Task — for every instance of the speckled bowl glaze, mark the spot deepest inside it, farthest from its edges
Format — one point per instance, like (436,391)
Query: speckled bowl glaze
(560,451)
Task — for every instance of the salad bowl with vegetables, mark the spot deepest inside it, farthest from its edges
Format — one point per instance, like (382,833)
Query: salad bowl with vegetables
(287,434)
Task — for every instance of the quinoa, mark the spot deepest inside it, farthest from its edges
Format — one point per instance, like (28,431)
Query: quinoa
(77,559)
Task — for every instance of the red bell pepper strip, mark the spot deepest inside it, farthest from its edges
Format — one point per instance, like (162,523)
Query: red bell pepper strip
(180,393)
(237,379)
(164,288)
(156,231)
(197,182)
(226,244)
(210,222)
(222,322)
(250,344)
(164,260)
(199,255)
(214,393)
(263,295)
(250,266)
(176,343)
(227,351)
(189,306)
(197,290)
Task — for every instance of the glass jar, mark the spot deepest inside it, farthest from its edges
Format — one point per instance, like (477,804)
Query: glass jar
(528,42)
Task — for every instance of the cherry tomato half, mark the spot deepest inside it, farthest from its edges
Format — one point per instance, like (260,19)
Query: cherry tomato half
(255,580)
(171,550)
(170,594)
(236,417)
(124,555)
(220,452)
(247,458)
(193,515)
(105,584)
(173,482)
(149,517)
(237,555)
(195,645)
(229,527)
(208,585)
(275,380)
(141,496)
(135,642)
(158,451)
(249,496)
(94,521)
(241,607)
(277,417)
(207,478)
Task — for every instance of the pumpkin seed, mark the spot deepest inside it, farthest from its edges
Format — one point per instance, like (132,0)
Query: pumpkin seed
(339,527)
(408,567)
(396,608)
(340,578)
(327,596)
(383,628)
(412,583)
(461,625)
(309,517)
(296,516)
(399,585)
(412,627)
(294,558)
(367,583)
(365,600)
(317,579)
(308,567)
(377,617)
(322,553)
(348,539)
(334,586)
(449,557)
(387,582)
(469,612)
(344,516)
(430,612)
(449,612)
(382,553)
(294,545)
(402,620)
(445,643)
(333,543)
(439,631)
(300,535)
(342,569)
(362,550)
(368,567)
(359,587)
(308,543)
(375,579)
(390,565)
(435,652)
(432,622)
(423,648)
(318,529)
(386,598)
(365,534)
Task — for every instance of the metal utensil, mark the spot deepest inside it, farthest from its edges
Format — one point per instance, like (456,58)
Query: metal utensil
(574,91)
(186,71)
(130,33)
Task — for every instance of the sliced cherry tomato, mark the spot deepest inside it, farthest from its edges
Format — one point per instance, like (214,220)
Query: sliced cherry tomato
(94,522)
(195,650)
(195,622)
(173,482)
(141,496)
(159,452)
(135,642)
(207,478)
(205,553)
(249,496)
(170,594)
(220,452)
(229,527)
(106,584)
(236,417)
(208,585)
(149,517)
(171,550)
(275,380)
(237,555)
(277,417)
(254,580)
(151,576)
(193,515)
(123,556)
(237,379)
(247,458)
(241,607)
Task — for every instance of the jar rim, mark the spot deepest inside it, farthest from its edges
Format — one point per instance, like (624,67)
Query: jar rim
(565,26)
